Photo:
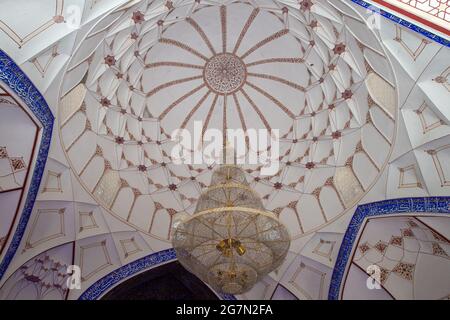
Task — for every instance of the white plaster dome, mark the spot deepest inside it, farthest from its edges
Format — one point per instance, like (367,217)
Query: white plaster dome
(309,73)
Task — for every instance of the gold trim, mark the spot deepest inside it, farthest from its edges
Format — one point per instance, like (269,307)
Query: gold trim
(230,186)
(267,214)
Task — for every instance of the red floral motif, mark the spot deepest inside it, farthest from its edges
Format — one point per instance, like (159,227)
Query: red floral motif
(119,140)
(138,17)
(169,5)
(438,237)
(364,247)
(225,73)
(404,270)
(438,251)
(313,24)
(381,247)
(407,233)
(413,224)
(310,165)
(336,135)
(440,79)
(339,48)
(172,187)
(3,153)
(17,164)
(384,273)
(347,94)
(306,5)
(396,241)
(110,60)
(105,102)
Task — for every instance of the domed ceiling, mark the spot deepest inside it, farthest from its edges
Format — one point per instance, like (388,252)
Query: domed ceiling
(239,67)
(361,114)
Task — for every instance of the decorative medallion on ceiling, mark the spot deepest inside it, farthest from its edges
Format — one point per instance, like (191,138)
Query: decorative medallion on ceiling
(319,76)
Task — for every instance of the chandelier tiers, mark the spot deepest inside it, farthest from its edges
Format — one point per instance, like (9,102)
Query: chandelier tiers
(231,241)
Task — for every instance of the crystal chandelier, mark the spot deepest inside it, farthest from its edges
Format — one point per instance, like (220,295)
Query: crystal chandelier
(231,241)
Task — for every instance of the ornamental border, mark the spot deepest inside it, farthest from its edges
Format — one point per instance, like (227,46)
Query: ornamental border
(402,22)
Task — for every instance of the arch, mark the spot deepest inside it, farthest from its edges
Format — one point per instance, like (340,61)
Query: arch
(103,285)
(13,77)
(166,282)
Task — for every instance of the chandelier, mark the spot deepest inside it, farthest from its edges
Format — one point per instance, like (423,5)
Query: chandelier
(231,241)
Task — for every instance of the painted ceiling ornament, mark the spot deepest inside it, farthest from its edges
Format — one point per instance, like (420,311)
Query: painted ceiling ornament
(339,48)
(225,73)
(231,241)
(169,5)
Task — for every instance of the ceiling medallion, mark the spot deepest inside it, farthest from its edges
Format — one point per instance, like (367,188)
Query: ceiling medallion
(224,73)
(231,241)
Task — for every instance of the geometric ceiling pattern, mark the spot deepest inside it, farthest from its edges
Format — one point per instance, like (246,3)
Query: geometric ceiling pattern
(16,158)
(408,252)
(362,113)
